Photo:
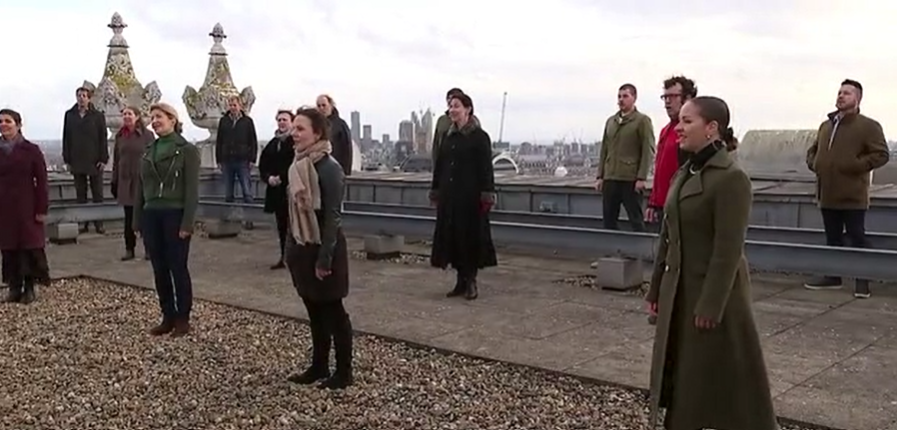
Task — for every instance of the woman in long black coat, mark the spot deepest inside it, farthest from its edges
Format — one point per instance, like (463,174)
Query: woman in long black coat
(463,191)
(274,163)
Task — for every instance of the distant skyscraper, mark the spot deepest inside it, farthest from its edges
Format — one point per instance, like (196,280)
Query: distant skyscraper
(367,140)
(406,131)
(423,131)
(355,118)
(385,139)
(426,123)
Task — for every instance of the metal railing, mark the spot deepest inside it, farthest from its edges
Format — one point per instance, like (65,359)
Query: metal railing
(872,264)
(806,236)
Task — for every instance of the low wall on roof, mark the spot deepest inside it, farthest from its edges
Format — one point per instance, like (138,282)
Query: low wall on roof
(781,154)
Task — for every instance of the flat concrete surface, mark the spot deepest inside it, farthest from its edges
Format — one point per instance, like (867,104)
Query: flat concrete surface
(831,357)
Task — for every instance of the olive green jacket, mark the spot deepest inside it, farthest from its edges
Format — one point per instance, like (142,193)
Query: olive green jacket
(173,180)
(700,270)
(627,148)
(843,156)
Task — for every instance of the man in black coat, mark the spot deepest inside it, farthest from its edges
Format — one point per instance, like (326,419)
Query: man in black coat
(340,135)
(85,149)
(236,149)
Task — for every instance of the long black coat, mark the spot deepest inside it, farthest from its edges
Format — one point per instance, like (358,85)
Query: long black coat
(462,181)
(84,140)
(341,141)
(276,158)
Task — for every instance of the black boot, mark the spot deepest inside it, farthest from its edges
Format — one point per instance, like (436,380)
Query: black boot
(99,227)
(342,342)
(460,284)
(129,255)
(14,293)
(28,296)
(470,291)
(320,358)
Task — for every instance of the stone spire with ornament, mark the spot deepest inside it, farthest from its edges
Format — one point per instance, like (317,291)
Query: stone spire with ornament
(207,105)
(119,87)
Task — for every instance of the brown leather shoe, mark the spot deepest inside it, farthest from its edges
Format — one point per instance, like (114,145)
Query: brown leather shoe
(165,327)
(181,327)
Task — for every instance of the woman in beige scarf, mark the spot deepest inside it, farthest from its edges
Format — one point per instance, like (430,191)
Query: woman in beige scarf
(317,255)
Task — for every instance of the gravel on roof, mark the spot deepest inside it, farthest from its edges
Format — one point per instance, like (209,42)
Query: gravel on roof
(80,358)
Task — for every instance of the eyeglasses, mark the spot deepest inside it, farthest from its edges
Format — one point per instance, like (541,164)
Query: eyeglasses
(666,97)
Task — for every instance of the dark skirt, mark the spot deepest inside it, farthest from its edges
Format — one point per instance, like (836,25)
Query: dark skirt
(301,260)
(26,263)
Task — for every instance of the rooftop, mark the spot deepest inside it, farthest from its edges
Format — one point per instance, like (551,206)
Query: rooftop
(830,356)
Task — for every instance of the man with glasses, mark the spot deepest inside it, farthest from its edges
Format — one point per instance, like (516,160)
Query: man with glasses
(676,91)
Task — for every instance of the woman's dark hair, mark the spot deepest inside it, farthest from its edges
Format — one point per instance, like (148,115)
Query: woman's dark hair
(16,117)
(453,92)
(285,112)
(139,125)
(465,101)
(319,123)
(715,109)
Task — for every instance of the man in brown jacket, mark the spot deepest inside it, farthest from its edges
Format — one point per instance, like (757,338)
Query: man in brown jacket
(848,147)
(627,151)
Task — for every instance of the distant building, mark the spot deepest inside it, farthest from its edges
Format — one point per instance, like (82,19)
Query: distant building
(406,131)
(355,118)
(367,140)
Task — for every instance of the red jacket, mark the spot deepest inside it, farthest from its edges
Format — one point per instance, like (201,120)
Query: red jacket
(666,163)
(24,194)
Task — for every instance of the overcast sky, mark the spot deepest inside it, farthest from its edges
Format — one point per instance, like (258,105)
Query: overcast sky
(777,63)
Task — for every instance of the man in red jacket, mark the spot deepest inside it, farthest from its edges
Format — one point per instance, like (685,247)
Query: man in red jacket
(676,91)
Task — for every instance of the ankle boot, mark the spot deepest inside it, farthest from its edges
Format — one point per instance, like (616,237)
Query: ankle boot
(342,342)
(164,327)
(460,284)
(129,255)
(14,293)
(181,327)
(320,358)
(470,292)
(28,295)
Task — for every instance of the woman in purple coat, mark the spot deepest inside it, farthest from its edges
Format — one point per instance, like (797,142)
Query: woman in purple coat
(23,208)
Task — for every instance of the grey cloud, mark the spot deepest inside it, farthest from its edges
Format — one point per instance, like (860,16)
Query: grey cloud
(245,27)
(423,50)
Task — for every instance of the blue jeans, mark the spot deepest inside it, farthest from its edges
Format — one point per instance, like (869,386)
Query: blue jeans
(168,254)
(239,171)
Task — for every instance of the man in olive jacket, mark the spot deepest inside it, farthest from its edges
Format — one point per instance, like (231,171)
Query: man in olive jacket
(627,151)
(848,147)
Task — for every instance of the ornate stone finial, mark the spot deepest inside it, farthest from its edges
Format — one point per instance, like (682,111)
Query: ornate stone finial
(207,105)
(119,86)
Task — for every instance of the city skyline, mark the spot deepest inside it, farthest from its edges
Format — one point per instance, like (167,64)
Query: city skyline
(776,70)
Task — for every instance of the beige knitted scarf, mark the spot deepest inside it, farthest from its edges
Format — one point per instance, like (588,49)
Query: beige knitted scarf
(305,193)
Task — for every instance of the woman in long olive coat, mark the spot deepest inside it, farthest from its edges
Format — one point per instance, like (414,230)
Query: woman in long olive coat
(713,376)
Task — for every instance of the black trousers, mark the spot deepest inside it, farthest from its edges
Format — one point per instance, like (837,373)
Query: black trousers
(330,325)
(282,217)
(838,221)
(95,183)
(169,254)
(622,193)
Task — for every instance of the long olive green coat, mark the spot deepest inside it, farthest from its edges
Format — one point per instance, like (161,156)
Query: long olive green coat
(707,378)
